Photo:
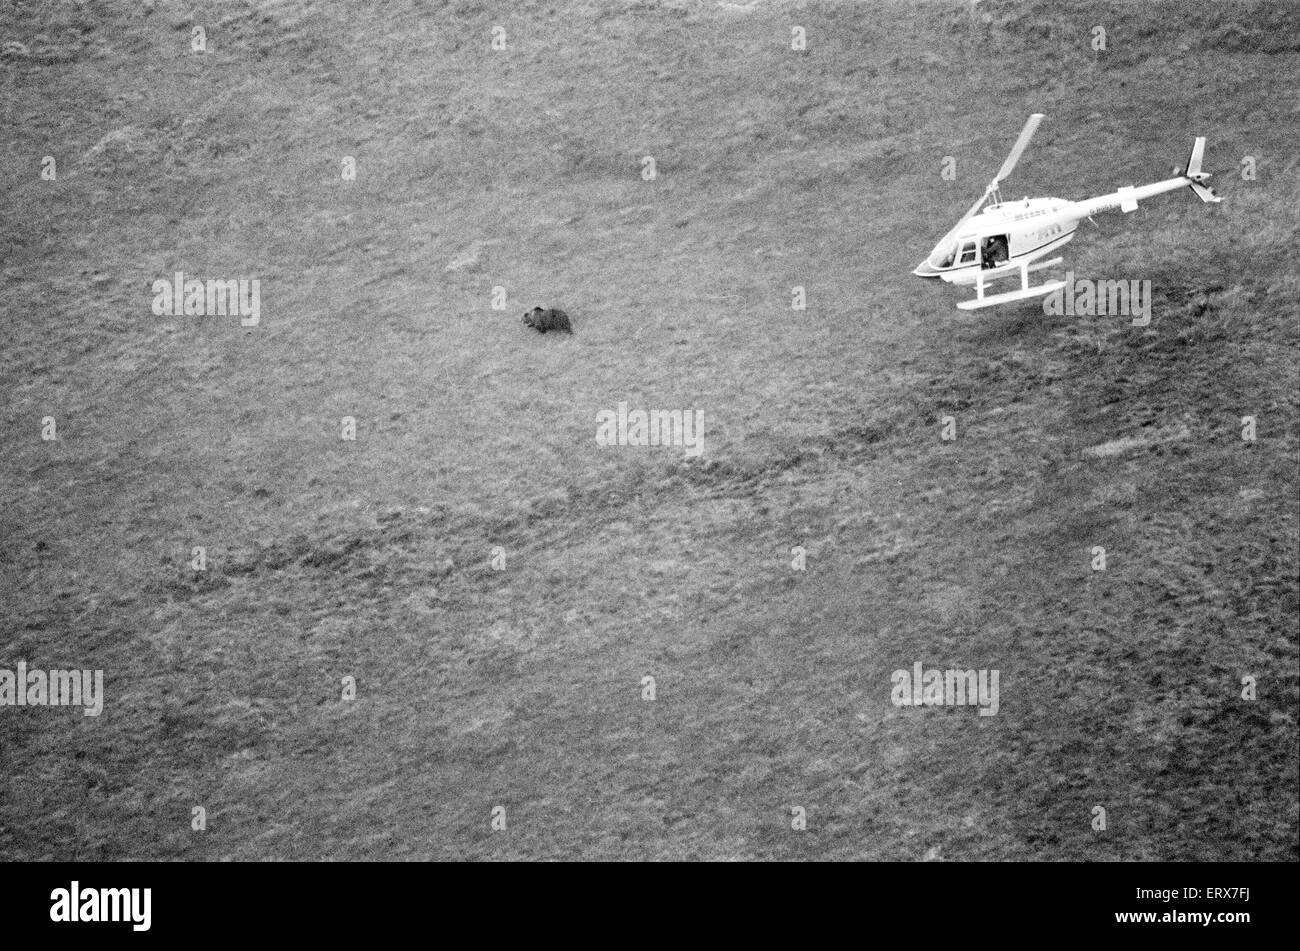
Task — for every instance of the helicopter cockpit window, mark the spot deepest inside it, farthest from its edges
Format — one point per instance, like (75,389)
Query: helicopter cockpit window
(943,254)
(967,253)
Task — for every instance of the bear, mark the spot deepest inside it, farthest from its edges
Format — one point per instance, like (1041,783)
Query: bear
(544,320)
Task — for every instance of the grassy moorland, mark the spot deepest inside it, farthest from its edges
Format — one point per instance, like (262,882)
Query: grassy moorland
(521,168)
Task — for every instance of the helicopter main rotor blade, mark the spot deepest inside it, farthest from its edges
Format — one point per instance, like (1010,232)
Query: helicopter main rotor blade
(1026,134)
(973,208)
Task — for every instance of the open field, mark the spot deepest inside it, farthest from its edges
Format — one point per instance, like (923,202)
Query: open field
(522,168)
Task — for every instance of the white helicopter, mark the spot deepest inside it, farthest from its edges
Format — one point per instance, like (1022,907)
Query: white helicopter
(1010,237)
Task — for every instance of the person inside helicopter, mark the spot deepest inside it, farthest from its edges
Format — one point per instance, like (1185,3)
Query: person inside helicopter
(994,251)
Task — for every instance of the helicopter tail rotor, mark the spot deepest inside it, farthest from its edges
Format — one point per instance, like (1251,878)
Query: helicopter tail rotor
(1197,178)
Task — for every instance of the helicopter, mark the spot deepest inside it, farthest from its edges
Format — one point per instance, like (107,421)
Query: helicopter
(1010,238)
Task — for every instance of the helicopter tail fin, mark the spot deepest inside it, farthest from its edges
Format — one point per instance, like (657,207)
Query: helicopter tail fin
(1196,178)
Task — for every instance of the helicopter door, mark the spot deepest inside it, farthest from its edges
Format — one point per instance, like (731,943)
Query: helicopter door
(967,254)
(995,250)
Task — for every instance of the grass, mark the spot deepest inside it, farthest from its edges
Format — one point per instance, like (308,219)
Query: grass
(522,169)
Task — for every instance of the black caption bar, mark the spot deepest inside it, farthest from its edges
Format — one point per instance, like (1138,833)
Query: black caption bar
(142,901)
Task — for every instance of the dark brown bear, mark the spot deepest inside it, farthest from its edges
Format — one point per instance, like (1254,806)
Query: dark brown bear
(544,320)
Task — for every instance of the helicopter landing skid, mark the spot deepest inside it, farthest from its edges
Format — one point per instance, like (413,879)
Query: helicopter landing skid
(1006,270)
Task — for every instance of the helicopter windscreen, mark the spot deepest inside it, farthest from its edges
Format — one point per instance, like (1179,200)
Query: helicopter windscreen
(943,254)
